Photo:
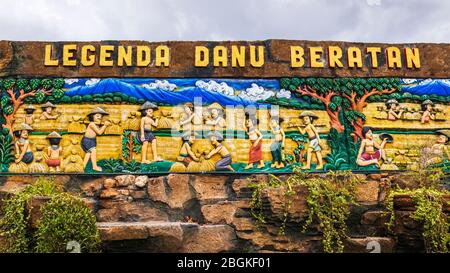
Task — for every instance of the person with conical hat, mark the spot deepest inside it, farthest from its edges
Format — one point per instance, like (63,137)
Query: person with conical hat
(427,108)
(439,150)
(216,119)
(89,140)
(54,151)
(22,144)
(47,112)
(146,134)
(394,111)
(29,110)
(314,145)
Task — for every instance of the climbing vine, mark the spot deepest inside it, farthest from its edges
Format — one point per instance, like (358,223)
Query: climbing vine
(429,202)
(329,199)
(65,218)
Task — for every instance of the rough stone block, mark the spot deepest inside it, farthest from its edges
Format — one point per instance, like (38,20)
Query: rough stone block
(369,245)
(209,239)
(220,213)
(109,183)
(367,192)
(210,187)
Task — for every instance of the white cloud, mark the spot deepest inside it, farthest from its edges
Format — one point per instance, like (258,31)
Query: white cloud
(70,81)
(256,93)
(91,82)
(283,94)
(213,86)
(163,85)
(373,2)
(350,20)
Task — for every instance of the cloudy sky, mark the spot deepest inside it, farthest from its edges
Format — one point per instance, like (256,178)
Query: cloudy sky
(400,21)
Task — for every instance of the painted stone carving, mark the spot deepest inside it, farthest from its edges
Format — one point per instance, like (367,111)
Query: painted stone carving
(314,145)
(255,136)
(47,111)
(54,152)
(225,125)
(146,134)
(89,140)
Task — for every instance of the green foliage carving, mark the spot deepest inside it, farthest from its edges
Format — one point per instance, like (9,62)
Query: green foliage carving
(6,150)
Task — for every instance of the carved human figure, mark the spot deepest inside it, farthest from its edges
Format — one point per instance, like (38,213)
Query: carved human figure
(198,115)
(47,112)
(54,152)
(277,145)
(394,110)
(439,150)
(186,155)
(255,136)
(216,119)
(145,131)
(89,140)
(314,145)
(370,152)
(29,117)
(225,162)
(22,144)
(187,117)
(427,107)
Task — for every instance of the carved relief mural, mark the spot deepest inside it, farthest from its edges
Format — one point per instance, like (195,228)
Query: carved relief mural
(148,125)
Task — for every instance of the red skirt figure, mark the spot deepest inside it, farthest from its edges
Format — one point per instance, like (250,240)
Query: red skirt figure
(255,154)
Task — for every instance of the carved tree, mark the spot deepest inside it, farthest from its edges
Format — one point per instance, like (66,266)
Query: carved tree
(346,96)
(325,98)
(358,100)
(17,92)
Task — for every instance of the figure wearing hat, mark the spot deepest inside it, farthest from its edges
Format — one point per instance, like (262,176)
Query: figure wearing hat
(225,162)
(89,140)
(47,111)
(370,152)
(440,150)
(29,110)
(22,144)
(216,119)
(54,151)
(308,118)
(427,107)
(394,110)
(186,154)
(146,133)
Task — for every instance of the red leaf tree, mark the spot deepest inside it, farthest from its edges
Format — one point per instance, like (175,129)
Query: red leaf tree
(343,98)
(16,92)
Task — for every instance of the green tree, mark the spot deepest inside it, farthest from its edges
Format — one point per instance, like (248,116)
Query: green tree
(14,92)
(343,95)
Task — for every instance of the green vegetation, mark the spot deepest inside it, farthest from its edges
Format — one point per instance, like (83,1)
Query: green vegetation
(328,201)
(65,218)
(429,201)
(110,98)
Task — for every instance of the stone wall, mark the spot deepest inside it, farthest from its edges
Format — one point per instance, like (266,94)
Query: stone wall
(211,213)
